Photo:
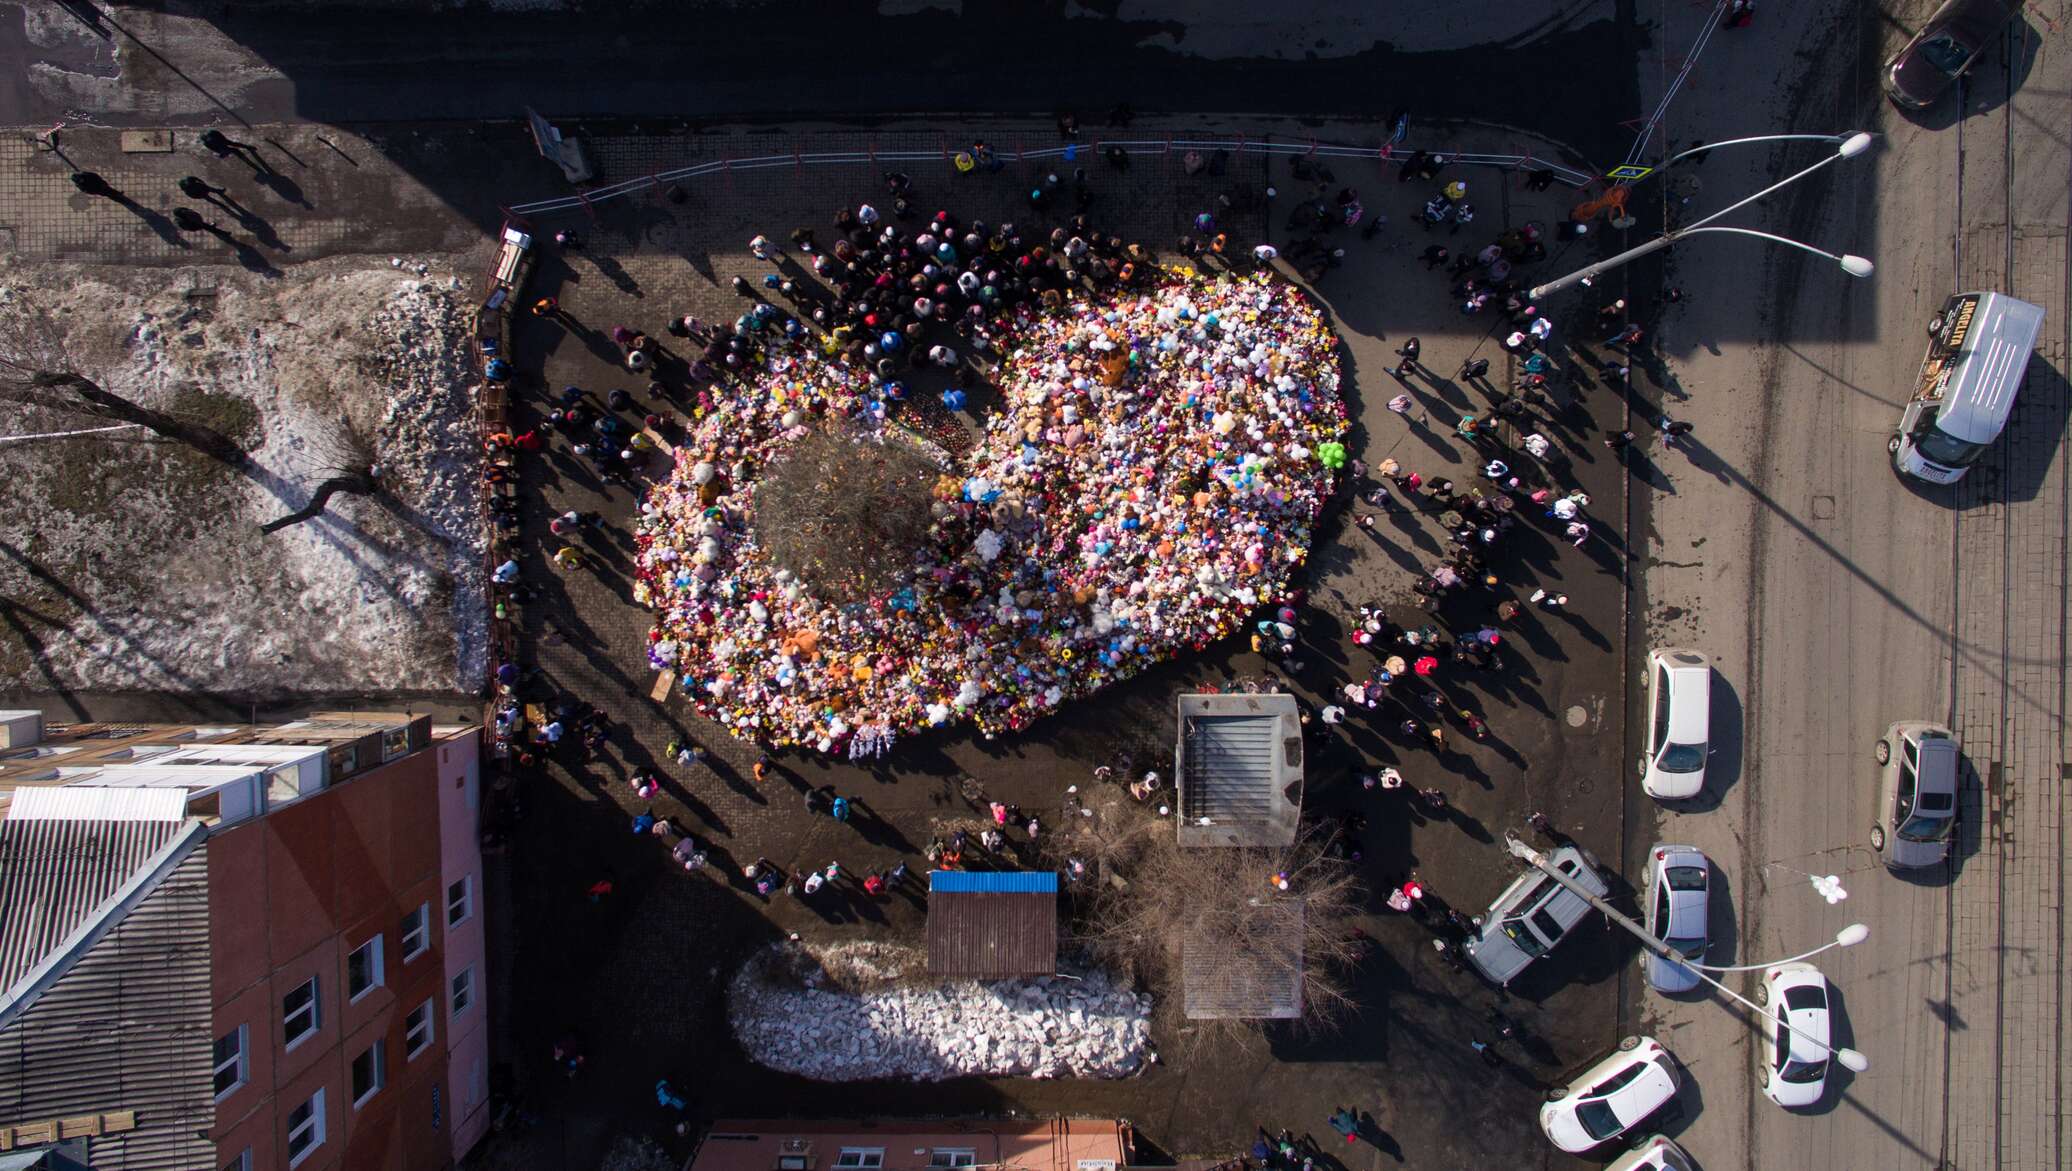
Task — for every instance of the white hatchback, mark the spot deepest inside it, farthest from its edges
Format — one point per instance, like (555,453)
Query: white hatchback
(1610,1099)
(1679,723)
(1797,1050)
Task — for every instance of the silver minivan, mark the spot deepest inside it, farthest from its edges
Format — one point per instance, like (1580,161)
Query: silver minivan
(1978,352)
(1917,794)
(1532,915)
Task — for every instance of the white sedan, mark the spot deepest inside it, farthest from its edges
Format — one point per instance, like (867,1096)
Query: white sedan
(1679,724)
(1610,1099)
(1796,1052)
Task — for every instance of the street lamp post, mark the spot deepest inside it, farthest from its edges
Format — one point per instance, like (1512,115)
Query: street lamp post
(1858,266)
(1850,936)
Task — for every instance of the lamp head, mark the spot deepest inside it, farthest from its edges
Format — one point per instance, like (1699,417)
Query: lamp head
(1852,1060)
(1854,145)
(1858,266)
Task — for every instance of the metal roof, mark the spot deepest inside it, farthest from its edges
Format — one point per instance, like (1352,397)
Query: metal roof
(2000,339)
(992,925)
(1001,881)
(1245,965)
(56,874)
(1238,767)
(121,1020)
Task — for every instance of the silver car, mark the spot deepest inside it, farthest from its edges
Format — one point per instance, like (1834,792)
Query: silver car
(1532,915)
(1677,894)
(1917,795)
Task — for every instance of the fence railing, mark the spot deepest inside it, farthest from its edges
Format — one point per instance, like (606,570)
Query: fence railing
(588,199)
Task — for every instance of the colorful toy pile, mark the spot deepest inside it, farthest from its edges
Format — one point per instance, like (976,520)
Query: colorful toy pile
(1150,478)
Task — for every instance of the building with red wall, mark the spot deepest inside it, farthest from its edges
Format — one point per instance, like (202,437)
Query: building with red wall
(326,872)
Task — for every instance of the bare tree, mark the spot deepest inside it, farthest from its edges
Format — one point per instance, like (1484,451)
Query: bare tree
(36,369)
(1143,898)
(350,461)
(847,512)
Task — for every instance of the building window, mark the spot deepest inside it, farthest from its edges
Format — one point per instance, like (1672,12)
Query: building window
(953,1157)
(463,991)
(793,1163)
(300,1012)
(460,900)
(370,1073)
(417,1030)
(305,1128)
(395,742)
(243,1162)
(231,1068)
(416,931)
(861,1157)
(363,969)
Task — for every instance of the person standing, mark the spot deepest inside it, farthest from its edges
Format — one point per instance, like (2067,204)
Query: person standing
(1346,1123)
(1408,352)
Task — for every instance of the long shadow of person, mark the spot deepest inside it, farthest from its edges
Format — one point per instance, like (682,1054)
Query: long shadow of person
(248,256)
(90,183)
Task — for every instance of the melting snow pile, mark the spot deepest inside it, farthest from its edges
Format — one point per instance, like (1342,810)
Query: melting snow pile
(145,560)
(867,1010)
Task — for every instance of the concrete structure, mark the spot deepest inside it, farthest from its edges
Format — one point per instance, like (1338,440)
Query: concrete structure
(1056,1145)
(319,885)
(1238,766)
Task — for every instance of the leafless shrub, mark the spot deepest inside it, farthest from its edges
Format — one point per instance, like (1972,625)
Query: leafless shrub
(1144,896)
(846,512)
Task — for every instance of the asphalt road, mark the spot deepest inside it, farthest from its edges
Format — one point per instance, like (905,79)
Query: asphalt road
(1836,598)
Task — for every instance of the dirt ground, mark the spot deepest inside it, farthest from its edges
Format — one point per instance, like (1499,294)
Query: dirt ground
(135,563)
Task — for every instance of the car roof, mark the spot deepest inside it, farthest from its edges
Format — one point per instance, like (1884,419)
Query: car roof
(1936,771)
(1685,905)
(1690,690)
(1976,400)
(1640,1097)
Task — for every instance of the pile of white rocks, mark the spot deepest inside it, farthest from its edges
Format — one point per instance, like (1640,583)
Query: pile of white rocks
(880,1018)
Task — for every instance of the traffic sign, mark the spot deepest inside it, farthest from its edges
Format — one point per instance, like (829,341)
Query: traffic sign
(1629,173)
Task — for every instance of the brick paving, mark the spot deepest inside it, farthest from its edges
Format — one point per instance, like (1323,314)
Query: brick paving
(2008,918)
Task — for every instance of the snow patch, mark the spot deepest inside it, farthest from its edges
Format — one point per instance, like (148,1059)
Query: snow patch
(861,1011)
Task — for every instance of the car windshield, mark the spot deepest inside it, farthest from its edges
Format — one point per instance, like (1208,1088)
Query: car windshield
(1682,758)
(1926,829)
(1802,1072)
(1686,878)
(1527,942)
(1598,1120)
(1692,949)
(1945,54)
(1938,446)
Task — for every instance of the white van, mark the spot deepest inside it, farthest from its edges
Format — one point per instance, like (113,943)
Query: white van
(1978,351)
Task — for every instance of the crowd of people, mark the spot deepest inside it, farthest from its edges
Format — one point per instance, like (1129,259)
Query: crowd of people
(1162,446)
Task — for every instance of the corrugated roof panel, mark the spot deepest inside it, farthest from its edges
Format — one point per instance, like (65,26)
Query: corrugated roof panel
(95,803)
(127,1027)
(1238,761)
(1002,881)
(55,874)
(992,935)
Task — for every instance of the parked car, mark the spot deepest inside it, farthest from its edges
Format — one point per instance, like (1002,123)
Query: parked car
(1611,1098)
(1795,1052)
(1917,795)
(1678,723)
(1945,49)
(1676,891)
(1655,1153)
(1532,915)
